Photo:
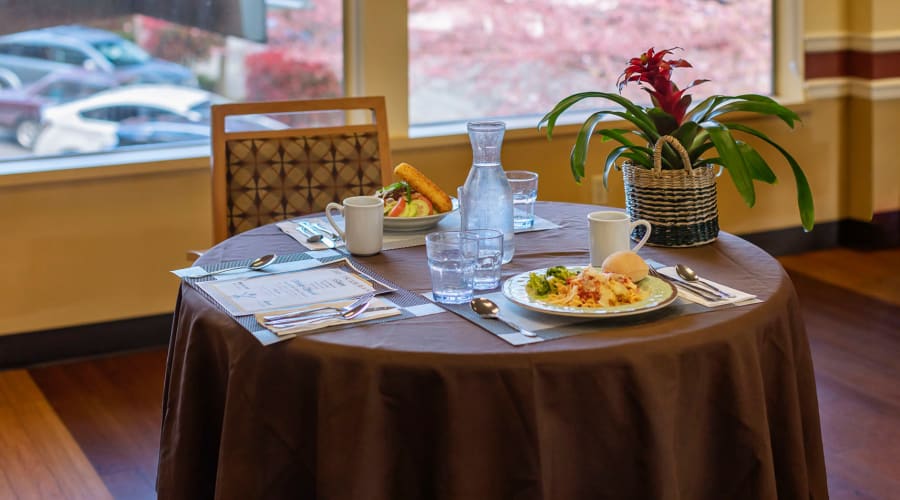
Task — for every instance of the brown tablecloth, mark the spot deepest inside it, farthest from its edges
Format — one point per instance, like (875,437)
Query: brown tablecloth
(718,405)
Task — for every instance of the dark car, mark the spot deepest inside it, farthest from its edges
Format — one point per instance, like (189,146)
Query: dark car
(20,108)
(31,55)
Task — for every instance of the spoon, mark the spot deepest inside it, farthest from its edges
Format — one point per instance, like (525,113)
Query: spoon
(486,308)
(314,238)
(688,274)
(257,265)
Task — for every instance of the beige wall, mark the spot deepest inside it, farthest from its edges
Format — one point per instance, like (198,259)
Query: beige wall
(822,16)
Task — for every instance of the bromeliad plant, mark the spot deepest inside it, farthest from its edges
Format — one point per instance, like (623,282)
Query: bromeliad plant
(698,129)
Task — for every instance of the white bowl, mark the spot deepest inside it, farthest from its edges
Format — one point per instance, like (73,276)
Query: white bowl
(417,223)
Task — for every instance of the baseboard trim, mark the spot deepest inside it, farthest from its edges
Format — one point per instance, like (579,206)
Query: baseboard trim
(33,348)
(795,240)
(882,232)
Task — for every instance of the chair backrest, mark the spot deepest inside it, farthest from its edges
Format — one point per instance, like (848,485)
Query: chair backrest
(262,176)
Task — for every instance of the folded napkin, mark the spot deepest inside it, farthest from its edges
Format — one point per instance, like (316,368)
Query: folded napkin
(740,298)
(289,227)
(385,308)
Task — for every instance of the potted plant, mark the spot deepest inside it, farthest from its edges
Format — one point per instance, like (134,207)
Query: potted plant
(669,169)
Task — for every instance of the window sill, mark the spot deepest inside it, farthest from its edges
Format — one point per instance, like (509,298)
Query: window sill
(138,161)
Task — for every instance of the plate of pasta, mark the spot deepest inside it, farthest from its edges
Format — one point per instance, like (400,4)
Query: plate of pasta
(585,292)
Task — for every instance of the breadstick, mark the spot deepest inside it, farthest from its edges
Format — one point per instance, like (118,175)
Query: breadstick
(424,185)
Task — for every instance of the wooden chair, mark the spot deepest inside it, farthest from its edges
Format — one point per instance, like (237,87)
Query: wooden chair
(263,176)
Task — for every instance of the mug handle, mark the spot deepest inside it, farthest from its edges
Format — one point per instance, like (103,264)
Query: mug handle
(641,222)
(340,208)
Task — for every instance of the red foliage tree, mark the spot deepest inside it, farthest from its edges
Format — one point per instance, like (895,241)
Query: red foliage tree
(280,73)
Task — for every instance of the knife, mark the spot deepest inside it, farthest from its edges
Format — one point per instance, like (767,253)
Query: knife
(307,230)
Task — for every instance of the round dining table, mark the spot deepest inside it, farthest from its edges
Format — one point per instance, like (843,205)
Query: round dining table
(713,405)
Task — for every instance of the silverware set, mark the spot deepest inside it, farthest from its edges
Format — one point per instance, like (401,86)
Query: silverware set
(323,313)
(692,287)
(317,232)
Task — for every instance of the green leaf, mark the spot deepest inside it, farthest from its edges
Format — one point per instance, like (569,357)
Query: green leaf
(731,159)
(759,169)
(804,193)
(579,153)
(628,152)
(616,135)
(699,113)
(636,114)
(766,99)
(686,134)
(763,108)
(664,122)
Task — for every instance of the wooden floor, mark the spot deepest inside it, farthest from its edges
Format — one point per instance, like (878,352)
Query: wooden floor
(90,429)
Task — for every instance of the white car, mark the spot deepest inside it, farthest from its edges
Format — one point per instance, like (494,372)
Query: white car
(93,124)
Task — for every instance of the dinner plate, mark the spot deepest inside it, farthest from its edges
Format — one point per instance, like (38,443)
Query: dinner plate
(417,223)
(661,294)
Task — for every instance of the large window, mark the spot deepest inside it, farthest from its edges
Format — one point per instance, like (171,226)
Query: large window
(91,87)
(437,62)
(503,58)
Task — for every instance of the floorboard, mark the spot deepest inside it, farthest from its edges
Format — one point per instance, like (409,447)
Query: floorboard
(112,406)
(40,458)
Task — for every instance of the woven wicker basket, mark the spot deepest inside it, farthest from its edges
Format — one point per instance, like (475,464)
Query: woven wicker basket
(679,204)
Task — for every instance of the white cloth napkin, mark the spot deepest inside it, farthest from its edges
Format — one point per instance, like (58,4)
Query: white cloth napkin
(289,227)
(740,298)
(308,327)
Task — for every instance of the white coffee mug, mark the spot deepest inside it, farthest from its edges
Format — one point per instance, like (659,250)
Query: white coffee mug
(363,223)
(611,232)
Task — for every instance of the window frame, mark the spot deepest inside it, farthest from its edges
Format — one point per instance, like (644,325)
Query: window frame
(376,63)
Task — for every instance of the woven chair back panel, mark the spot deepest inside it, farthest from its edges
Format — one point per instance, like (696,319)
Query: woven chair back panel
(269,180)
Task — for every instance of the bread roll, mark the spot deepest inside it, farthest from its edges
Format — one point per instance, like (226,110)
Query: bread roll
(422,184)
(626,263)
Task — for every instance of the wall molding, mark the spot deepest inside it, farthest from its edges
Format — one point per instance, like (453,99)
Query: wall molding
(844,86)
(831,41)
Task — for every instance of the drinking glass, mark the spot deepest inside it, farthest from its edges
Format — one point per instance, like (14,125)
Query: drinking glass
(490,255)
(451,261)
(524,185)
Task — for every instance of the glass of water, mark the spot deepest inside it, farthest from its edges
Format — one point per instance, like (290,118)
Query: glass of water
(490,256)
(451,260)
(524,186)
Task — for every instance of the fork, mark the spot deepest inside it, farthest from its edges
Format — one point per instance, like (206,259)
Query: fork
(362,299)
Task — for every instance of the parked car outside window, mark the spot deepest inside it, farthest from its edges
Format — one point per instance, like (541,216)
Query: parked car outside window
(133,114)
(31,55)
(20,108)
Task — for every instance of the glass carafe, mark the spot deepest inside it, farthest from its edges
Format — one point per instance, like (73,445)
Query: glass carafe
(486,197)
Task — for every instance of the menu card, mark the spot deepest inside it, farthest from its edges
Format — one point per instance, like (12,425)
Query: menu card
(242,297)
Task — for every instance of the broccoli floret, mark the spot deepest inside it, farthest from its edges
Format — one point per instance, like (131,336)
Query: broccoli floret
(538,285)
(559,272)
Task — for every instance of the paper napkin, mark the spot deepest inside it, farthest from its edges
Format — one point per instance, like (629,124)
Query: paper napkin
(740,298)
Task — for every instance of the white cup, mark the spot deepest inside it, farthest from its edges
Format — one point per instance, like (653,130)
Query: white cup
(363,223)
(611,232)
